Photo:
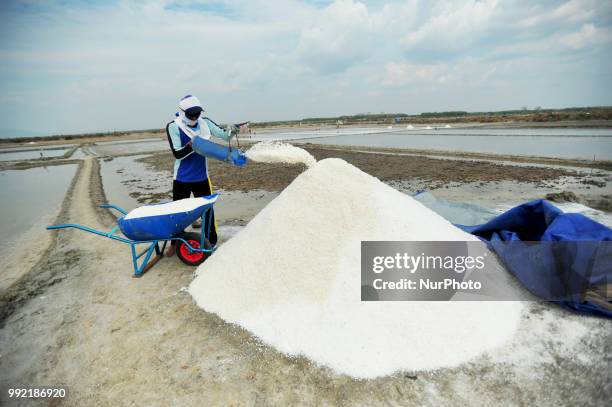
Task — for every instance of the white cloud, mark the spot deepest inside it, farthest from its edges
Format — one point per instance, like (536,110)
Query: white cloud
(570,11)
(469,73)
(453,26)
(575,10)
(337,37)
(588,35)
(398,73)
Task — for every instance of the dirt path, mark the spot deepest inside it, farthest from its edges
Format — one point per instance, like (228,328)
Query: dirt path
(82,321)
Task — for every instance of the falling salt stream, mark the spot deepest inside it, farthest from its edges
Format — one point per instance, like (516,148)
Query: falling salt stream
(276,152)
(301,292)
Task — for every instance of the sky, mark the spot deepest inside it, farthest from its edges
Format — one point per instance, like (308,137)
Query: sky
(72,67)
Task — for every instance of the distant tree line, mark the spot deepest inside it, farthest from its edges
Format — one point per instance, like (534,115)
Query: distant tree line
(524,114)
(69,137)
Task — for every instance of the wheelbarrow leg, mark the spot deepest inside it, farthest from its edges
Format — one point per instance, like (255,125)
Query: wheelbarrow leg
(144,264)
(206,236)
(134,260)
(150,264)
(160,252)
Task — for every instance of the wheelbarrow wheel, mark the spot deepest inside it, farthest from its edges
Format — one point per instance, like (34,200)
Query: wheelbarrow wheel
(182,251)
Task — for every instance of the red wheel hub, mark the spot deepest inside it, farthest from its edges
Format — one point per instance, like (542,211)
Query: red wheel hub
(193,256)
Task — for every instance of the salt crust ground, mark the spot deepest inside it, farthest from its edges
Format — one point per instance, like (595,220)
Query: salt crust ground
(292,278)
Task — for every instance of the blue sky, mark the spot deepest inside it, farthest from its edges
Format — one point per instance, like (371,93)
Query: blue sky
(70,67)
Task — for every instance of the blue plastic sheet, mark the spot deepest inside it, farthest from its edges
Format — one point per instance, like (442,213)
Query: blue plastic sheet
(571,263)
(455,212)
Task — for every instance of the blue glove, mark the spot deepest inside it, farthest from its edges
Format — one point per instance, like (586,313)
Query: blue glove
(238,158)
(210,149)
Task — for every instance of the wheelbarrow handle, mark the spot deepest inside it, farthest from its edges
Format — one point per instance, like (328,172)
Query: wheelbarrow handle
(110,234)
(115,207)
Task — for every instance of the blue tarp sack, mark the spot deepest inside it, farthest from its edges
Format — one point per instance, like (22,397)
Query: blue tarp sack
(207,148)
(165,220)
(562,257)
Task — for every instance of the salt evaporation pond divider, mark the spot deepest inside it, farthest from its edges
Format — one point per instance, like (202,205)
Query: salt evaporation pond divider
(31,154)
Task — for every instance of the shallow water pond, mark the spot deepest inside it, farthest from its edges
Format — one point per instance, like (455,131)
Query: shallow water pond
(582,147)
(29,197)
(561,143)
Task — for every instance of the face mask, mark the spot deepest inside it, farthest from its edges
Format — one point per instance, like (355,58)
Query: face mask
(189,122)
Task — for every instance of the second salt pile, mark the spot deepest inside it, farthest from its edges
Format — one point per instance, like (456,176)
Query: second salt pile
(292,278)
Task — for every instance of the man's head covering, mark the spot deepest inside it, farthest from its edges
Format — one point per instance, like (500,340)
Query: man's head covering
(190,109)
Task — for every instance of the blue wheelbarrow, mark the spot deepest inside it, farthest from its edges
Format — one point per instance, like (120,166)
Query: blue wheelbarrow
(156,225)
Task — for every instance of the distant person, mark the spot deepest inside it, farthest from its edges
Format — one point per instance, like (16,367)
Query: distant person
(191,169)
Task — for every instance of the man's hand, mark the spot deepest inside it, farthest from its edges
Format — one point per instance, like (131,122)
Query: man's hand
(238,158)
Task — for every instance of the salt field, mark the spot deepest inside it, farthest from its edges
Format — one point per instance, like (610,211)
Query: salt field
(31,154)
(31,200)
(582,144)
(577,143)
(130,147)
(129,183)
(120,173)
(582,147)
(273,216)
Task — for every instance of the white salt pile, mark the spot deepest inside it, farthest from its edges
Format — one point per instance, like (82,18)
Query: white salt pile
(292,278)
(168,208)
(276,152)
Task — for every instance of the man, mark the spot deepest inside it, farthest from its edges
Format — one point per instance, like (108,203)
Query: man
(190,168)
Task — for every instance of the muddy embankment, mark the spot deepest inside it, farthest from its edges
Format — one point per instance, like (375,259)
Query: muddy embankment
(60,254)
(427,170)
